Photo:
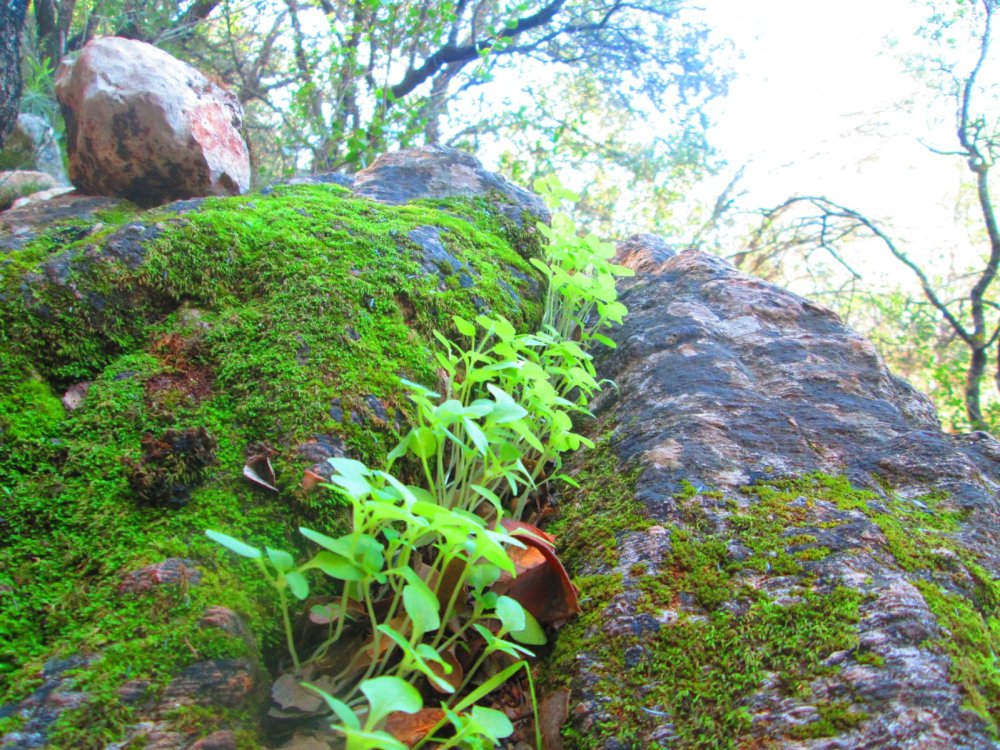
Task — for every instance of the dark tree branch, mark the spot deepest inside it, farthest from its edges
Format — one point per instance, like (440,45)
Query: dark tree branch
(451,54)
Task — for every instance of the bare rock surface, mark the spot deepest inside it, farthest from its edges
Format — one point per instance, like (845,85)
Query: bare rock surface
(21,224)
(799,557)
(142,125)
(431,172)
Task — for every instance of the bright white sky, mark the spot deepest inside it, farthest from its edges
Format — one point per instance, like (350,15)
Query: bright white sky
(812,74)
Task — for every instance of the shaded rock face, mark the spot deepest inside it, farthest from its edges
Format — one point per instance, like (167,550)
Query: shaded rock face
(32,146)
(25,221)
(145,126)
(790,553)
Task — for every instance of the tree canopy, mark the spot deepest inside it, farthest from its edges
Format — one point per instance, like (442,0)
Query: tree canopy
(329,84)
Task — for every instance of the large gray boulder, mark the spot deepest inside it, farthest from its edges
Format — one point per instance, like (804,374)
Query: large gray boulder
(776,544)
(145,126)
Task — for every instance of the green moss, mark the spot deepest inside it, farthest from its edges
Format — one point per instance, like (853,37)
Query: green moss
(919,534)
(972,641)
(812,553)
(246,319)
(696,672)
(870,658)
(834,718)
(592,515)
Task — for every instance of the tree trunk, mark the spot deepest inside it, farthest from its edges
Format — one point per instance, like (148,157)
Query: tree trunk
(12,16)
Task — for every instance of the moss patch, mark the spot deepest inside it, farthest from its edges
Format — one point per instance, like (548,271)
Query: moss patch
(261,319)
(591,516)
(695,670)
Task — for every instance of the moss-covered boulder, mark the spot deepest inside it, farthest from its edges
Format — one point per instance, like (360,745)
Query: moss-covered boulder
(148,362)
(775,543)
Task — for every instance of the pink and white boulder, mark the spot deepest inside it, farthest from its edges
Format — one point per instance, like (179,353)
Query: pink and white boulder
(142,125)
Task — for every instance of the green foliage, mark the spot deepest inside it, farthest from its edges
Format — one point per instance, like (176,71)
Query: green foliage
(414,575)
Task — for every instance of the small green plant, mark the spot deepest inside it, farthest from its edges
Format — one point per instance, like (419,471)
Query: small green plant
(415,604)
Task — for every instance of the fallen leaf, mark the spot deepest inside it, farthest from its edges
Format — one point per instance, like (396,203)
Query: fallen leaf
(258,470)
(457,675)
(310,479)
(411,728)
(541,584)
(552,714)
(292,699)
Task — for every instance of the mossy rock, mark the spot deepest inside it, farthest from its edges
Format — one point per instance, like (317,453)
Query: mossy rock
(775,543)
(274,324)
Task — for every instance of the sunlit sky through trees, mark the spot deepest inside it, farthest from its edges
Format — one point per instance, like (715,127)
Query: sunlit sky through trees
(819,106)
(822,104)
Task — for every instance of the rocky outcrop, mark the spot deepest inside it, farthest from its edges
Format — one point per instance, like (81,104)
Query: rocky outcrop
(780,546)
(32,146)
(775,544)
(167,371)
(145,126)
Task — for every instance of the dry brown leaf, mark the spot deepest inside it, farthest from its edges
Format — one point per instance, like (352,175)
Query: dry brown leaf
(311,479)
(411,728)
(552,714)
(457,673)
(253,468)
(542,585)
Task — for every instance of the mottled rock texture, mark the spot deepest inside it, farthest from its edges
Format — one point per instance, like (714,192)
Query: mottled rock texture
(778,545)
(145,126)
(441,172)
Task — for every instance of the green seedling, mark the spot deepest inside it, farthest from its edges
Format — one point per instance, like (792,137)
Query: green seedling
(412,579)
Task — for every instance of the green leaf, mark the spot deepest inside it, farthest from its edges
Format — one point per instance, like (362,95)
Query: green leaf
(400,450)
(482,575)
(490,685)
(476,435)
(343,712)
(341,545)
(416,387)
(421,606)
(423,442)
(336,566)
(387,694)
(234,545)
(511,614)
(532,633)
(493,723)
(297,584)
(281,560)
(464,327)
